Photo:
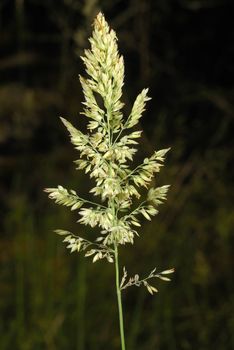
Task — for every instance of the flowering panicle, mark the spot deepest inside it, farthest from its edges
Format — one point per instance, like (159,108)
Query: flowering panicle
(105,153)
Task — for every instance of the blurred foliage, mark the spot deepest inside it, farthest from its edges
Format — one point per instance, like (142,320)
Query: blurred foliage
(183,50)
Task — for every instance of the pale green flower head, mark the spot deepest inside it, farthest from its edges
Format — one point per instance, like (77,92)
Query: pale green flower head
(106,152)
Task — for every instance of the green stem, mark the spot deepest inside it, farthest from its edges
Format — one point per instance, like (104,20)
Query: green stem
(118,291)
(122,129)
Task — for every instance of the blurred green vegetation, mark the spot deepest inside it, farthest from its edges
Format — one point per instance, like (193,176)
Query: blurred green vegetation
(183,50)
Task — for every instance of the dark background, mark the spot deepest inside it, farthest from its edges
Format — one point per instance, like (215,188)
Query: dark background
(183,50)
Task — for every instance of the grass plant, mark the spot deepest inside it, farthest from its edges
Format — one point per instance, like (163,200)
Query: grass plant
(105,154)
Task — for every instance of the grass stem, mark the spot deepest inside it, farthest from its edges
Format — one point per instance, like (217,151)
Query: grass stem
(119,299)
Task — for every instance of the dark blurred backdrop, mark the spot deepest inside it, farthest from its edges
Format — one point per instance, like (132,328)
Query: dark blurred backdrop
(183,50)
